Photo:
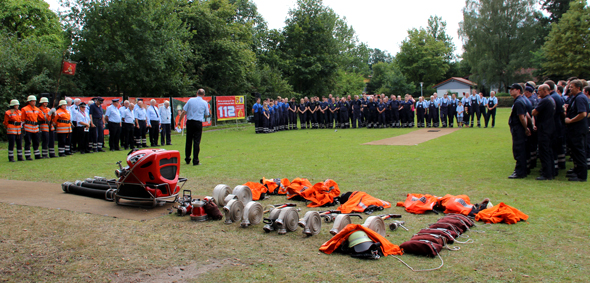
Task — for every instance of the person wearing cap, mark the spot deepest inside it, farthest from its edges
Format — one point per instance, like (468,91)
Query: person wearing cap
(154,124)
(44,120)
(166,122)
(545,128)
(82,128)
(96,124)
(63,127)
(492,103)
(122,111)
(577,130)
(197,109)
(128,126)
(30,113)
(113,118)
(140,124)
(12,122)
(518,123)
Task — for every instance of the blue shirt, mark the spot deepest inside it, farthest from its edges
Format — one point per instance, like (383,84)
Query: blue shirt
(165,115)
(494,101)
(422,104)
(122,110)
(433,103)
(196,109)
(128,116)
(444,102)
(113,114)
(152,113)
(81,116)
(460,110)
(74,113)
(466,101)
(95,111)
(480,99)
(139,113)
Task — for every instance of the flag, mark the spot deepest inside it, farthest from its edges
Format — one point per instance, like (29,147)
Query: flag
(68,68)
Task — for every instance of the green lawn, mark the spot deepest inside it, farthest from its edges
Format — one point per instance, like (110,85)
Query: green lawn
(69,246)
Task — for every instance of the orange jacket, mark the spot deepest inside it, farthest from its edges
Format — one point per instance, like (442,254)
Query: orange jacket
(358,201)
(456,204)
(62,120)
(44,119)
(501,213)
(12,121)
(296,187)
(386,246)
(419,203)
(276,186)
(321,193)
(257,189)
(178,123)
(29,115)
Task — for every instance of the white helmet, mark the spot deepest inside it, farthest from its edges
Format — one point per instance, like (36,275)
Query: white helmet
(44,99)
(31,98)
(62,102)
(14,102)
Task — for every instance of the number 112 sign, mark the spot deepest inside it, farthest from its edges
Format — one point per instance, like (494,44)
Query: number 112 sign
(230,107)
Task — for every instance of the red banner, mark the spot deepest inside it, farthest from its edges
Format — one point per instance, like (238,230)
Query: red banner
(230,108)
(69,68)
(181,101)
(175,104)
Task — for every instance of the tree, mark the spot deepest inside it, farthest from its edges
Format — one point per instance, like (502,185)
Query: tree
(387,78)
(349,83)
(566,49)
(437,28)
(555,8)
(498,37)
(377,55)
(422,58)
(25,18)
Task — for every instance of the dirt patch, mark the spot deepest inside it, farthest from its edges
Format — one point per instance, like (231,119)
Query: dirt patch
(175,274)
(415,137)
(51,195)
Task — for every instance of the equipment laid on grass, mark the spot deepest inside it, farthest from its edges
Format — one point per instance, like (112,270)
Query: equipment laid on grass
(283,219)
(396,224)
(311,223)
(185,206)
(252,214)
(238,205)
(198,213)
(341,221)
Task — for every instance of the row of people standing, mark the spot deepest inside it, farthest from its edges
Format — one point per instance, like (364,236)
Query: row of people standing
(378,111)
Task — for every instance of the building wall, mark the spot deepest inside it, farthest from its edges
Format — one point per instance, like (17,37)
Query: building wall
(453,86)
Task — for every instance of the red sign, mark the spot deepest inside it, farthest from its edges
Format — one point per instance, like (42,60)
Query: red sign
(181,101)
(230,107)
(69,68)
(106,103)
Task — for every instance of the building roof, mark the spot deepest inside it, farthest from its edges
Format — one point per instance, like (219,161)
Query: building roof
(455,79)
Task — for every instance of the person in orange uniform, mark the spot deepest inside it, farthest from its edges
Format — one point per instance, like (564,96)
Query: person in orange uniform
(44,119)
(30,114)
(12,122)
(63,126)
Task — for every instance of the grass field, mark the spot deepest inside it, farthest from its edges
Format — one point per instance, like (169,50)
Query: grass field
(38,244)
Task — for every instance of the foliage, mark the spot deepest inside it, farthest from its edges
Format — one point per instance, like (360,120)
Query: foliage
(437,28)
(566,49)
(26,18)
(349,83)
(498,37)
(555,8)
(458,68)
(378,55)
(387,78)
(269,82)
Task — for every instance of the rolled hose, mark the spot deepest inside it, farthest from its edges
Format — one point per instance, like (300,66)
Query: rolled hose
(234,211)
(252,214)
(287,220)
(219,193)
(376,224)
(68,187)
(95,185)
(311,223)
(340,222)
(270,221)
(244,193)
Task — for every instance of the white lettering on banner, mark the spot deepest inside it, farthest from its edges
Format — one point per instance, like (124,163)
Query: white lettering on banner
(226,111)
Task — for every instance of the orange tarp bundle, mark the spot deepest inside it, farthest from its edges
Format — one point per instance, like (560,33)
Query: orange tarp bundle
(456,204)
(257,189)
(276,186)
(419,203)
(359,201)
(321,193)
(501,213)
(296,187)
(386,246)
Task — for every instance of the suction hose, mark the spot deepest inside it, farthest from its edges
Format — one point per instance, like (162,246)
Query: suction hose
(311,223)
(68,187)
(252,214)
(96,186)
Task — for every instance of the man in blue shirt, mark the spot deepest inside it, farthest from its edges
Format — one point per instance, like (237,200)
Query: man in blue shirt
(454,102)
(165,123)
(154,124)
(113,118)
(96,124)
(481,102)
(141,124)
(196,110)
(444,103)
(473,107)
(129,123)
(421,107)
(433,111)
(519,129)
(491,105)
(577,130)
(257,111)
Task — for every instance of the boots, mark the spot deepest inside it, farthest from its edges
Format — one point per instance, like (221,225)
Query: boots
(52,153)
(19,154)
(37,154)
(10,156)
(45,153)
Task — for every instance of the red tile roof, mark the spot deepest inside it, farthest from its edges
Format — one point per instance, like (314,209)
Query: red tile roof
(458,79)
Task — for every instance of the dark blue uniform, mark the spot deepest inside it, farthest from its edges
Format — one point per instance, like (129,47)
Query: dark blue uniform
(364,111)
(420,113)
(518,136)
(576,134)
(473,109)
(257,108)
(433,113)
(372,109)
(356,113)
(558,143)
(303,123)
(344,121)
(394,104)
(545,132)
(452,111)
(444,111)
(96,133)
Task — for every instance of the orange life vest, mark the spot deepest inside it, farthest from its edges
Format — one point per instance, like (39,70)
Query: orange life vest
(419,203)
(321,193)
(44,119)
(501,213)
(62,120)
(178,123)
(358,201)
(257,189)
(12,121)
(386,246)
(296,187)
(30,114)
(456,204)
(276,186)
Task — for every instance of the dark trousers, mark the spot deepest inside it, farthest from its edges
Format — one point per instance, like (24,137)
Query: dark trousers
(127,132)
(482,111)
(194,131)
(532,144)
(433,117)
(154,132)
(473,111)
(466,115)
(140,133)
(44,143)
(395,114)
(420,114)
(74,136)
(491,116)
(114,135)
(443,116)
(451,116)
(96,134)
(12,141)
(519,149)
(356,119)
(558,151)
(293,120)
(34,139)
(81,139)
(545,155)
(62,140)
(165,134)
(577,142)
(257,123)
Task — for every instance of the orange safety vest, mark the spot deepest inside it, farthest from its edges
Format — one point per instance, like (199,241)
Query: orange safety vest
(62,120)
(456,204)
(501,213)
(296,187)
(276,186)
(321,193)
(30,114)
(44,118)
(386,246)
(12,121)
(419,203)
(257,189)
(359,201)
(180,124)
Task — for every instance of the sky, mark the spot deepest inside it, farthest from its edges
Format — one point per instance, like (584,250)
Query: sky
(381,24)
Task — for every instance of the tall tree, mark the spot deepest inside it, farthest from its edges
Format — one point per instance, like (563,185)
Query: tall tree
(498,37)
(437,28)
(388,78)
(566,49)
(378,55)
(555,8)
